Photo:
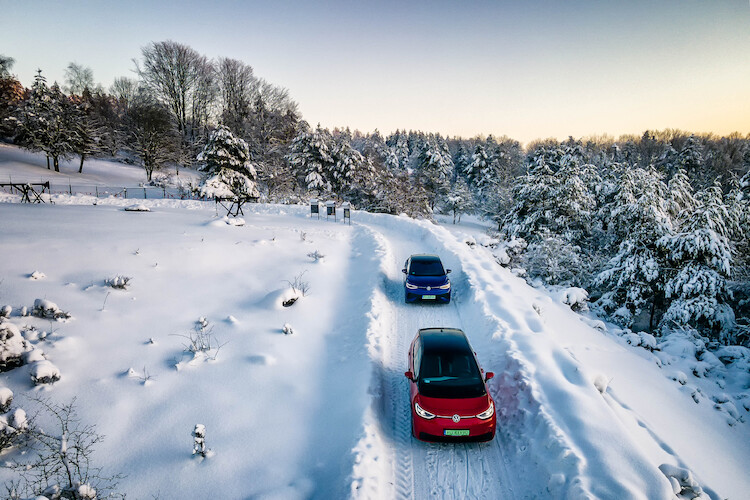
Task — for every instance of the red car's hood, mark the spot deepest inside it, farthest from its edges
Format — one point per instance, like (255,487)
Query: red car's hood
(447,407)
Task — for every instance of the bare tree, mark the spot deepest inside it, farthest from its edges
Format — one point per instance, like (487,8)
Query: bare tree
(78,78)
(124,89)
(151,134)
(169,72)
(6,64)
(237,85)
(203,97)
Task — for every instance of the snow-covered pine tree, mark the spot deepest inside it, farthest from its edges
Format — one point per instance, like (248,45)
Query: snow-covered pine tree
(59,138)
(692,160)
(477,171)
(435,168)
(459,200)
(634,278)
(351,171)
(226,161)
(462,160)
(90,133)
(555,194)
(399,145)
(46,121)
(701,261)
(680,194)
(310,158)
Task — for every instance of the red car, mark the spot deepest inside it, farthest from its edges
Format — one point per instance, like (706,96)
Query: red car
(448,392)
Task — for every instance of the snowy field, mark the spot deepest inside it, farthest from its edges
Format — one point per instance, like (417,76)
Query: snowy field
(323,412)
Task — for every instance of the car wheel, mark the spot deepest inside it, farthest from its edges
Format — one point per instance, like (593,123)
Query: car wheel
(449,299)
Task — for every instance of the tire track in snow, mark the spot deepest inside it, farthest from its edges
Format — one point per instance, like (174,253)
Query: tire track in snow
(426,470)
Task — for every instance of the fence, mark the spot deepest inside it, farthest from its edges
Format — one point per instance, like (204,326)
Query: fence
(138,193)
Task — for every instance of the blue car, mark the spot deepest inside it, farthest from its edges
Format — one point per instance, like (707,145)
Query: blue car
(426,279)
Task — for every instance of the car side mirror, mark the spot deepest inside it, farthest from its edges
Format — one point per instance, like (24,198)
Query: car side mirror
(409,375)
(447,271)
(403,270)
(488,376)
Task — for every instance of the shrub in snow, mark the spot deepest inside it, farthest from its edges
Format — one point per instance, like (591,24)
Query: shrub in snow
(44,372)
(683,482)
(683,343)
(5,311)
(6,399)
(287,329)
(60,460)
(640,339)
(199,440)
(554,259)
(47,309)
(298,287)
(12,346)
(13,427)
(119,282)
(201,342)
(679,377)
(36,275)
(576,298)
(315,256)
(509,253)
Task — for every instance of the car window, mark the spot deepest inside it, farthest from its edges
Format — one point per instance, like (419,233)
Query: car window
(449,374)
(424,267)
(417,357)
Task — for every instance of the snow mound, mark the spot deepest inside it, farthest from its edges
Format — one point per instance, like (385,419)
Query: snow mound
(44,372)
(137,208)
(37,275)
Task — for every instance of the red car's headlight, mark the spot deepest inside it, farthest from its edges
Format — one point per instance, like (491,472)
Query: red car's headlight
(488,412)
(422,412)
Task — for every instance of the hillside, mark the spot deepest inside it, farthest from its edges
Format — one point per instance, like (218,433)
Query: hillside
(323,412)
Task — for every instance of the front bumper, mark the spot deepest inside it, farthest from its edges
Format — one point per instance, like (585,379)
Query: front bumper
(434,429)
(422,293)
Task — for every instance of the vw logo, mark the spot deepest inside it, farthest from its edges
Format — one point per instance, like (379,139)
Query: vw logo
(456,418)
(429,288)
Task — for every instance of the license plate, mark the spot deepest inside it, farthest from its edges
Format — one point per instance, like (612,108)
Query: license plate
(432,297)
(456,432)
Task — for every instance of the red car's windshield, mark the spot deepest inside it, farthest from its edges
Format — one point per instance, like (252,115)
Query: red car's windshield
(450,374)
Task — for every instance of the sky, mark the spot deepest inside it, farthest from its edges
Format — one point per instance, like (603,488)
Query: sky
(525,69)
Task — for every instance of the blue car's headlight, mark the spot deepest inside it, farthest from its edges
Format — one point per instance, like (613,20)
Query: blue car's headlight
(410,286)
(447,286)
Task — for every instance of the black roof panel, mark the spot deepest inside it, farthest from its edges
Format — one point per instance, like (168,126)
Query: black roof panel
(442,339)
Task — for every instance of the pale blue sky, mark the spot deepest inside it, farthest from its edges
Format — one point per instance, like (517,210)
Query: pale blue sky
(526,69)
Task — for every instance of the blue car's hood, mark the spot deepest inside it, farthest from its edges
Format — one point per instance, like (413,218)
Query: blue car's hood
(427,280)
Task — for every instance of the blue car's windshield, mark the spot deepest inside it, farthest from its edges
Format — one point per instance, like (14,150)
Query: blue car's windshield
(450,374)
(426,267)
